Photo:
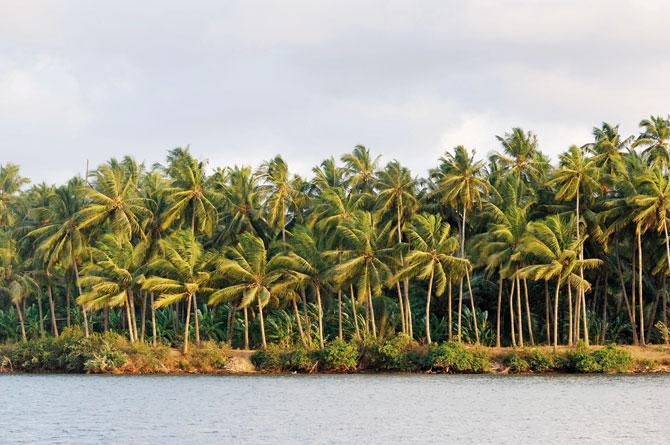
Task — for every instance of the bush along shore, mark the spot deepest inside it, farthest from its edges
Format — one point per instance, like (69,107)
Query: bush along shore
(72,352)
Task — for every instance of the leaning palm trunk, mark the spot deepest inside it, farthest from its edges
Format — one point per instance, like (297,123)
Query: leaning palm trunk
(631,314)
(154,337)
(403,320)
(639,291)
(320,308)
(570,328)
(511,313)
(500,287)
(547,310)
(460,310)
(308,323)
(519,318)
(373,323)
(187,323)
(19,314)
(83,308)
(354,312)
(131,300)
(408,310)
(296,314)
(558,288)
(472,307)
(195,319)
(528,319)
(52,310)
(129,319)
(246,326)
(143,323)
(430,291)
(260,316)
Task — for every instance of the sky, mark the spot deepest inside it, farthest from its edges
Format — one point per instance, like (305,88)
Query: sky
(242,81)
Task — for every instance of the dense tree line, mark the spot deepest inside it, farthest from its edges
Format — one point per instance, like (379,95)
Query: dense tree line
(507,250)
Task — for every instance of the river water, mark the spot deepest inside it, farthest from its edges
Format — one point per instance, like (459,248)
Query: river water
(369,409)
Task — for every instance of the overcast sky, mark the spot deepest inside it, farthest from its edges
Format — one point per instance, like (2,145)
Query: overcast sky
(241,81)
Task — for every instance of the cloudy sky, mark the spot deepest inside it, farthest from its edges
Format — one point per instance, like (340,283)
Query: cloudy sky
(241,81)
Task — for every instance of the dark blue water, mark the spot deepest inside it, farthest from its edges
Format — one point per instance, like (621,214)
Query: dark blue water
(369,409)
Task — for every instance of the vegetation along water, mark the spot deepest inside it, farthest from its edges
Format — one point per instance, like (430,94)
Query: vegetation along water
(359,266)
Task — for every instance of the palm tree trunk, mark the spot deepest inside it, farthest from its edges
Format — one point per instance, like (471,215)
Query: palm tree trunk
(639,277)
(19,314)
(339,314)
(68,297)
(570,328)
(308,323)
(500,286)
(631,316)
(578,307)
(558,287)
(154,337)
(472,307)
(667,241)
(373,322)
(584,316)
(511,313)
(195,319)
(430,291)
(187,323)
(519,318)
(353,311)
(296,314)
(144,317)
(460,287)
(603,330)
(547,305)
(260,315)
(129,319)
(318,300)
(460,310)
(105,317)
(449,307)
(131,299)
(52,310)
(403,321)
(528,318)
(40,313)
(581,297)
(83,308)
(408,309)
(246,325)
(231,323)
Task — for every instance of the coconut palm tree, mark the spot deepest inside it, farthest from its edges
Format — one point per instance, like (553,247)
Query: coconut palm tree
(115,271)
(654,139)
(460,184)
(14,283)
(10,185)
(519,156)
(360,169)
(253,276)
(553,254)
(278,191)
(182,272)
(432,257)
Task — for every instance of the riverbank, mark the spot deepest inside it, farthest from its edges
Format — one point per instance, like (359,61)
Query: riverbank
(111,353)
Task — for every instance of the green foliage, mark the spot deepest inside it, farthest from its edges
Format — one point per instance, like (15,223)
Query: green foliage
(339,356)
(269,359)
(453,357)
(386,354)
(541,362)
(298,360)
(664,331)
(209,355)
(607,359)
(516,362)
(274,358)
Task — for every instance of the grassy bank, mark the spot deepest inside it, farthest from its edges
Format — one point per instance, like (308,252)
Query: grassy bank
(111,353)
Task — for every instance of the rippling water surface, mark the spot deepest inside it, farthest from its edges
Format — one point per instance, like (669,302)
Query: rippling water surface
(334,409)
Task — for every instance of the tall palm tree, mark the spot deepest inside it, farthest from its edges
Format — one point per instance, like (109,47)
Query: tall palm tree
(432,257)
(14,284)
(654,138)
(460,184)
(252,276)
(553,254)
(578,177)
(10,185)
(519,155)
(360,169)
(182,272)
(278,191)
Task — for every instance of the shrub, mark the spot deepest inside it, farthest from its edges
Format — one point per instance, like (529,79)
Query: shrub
(298,360)
(542,362)
(417,359)
(613,359)
(386,354)
(339,356)
(209,355)
(516,362)
(268,359)
(453,357)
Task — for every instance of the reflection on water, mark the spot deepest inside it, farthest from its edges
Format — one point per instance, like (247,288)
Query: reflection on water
(334,409)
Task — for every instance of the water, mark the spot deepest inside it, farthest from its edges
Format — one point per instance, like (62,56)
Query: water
(334,409)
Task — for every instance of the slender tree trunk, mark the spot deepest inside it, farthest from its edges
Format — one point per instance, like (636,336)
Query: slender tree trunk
(570,326)
(402,309)
(511,313)
(260,315)
(308,323)
(603,330)
(547,305)
(83,308)
(154,336)
(52,310)
(320,308)
(451,322)
(581,293)
(460,287)
(353,311)
(339,314)
(373,322)
(143,336)
(577,309)
(667,242)
(639,276)
(40,313)
(246,325)
(625,295)
(105,318)
(472,307)
(129,319)
(187,323)
(296,314)
(430,291)
(195,319)
(131,299)
(68,298)
(519,318)
(558,287)
(408,310)
(19,314)
(586,320)
(460,310)
(528,318)
(500,287)
(231,323)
